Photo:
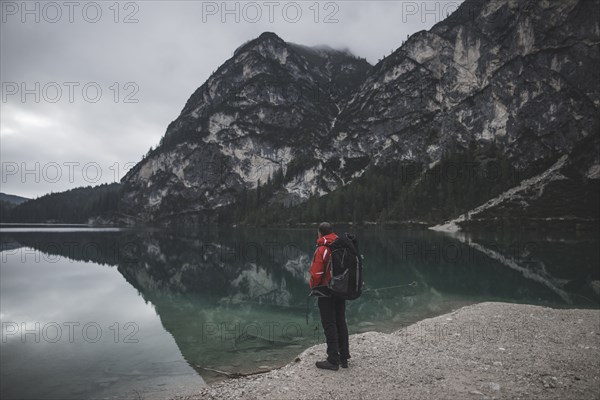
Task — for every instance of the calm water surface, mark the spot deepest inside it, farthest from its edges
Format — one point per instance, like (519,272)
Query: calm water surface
(125,313)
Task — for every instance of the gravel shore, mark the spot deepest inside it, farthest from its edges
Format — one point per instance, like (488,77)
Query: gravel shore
(484,351)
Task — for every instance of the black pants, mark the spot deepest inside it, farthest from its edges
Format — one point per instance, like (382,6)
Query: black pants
(333,318)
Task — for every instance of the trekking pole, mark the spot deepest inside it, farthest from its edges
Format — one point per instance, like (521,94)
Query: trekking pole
(307,301)
(412,284)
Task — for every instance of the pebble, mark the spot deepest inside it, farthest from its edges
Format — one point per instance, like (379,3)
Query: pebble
(384,366)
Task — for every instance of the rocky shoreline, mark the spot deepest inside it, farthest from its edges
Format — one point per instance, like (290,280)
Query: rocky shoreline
(483,351)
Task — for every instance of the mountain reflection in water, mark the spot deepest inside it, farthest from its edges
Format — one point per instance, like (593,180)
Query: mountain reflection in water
(235,299)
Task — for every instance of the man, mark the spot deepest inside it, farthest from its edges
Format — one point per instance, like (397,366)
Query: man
(332,309)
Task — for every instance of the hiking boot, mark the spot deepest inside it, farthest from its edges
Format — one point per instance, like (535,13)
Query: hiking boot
(344,363)
(327,365)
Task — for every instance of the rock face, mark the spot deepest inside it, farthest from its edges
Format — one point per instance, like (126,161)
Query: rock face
(516,75)
(265,110)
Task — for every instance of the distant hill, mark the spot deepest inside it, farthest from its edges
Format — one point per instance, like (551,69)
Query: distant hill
(72,206)
(12,199)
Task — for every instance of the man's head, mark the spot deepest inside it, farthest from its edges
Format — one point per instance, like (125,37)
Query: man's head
(325,228)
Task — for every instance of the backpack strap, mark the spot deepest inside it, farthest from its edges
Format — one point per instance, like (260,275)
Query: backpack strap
(328,266)
(327,248)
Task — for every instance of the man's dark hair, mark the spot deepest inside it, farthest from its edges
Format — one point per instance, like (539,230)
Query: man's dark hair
(325,228)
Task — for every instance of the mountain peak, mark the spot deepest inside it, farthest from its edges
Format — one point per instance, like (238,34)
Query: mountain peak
(262,38)
(324,50)
(269,35)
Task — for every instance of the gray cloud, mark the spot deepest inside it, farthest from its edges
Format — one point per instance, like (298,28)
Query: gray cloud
(167,54)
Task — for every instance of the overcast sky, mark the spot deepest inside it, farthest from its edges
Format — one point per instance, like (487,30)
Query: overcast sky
(88,87)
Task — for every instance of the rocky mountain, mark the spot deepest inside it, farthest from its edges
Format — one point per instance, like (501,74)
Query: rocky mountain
(263,111)
(511,82)
(516,73)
